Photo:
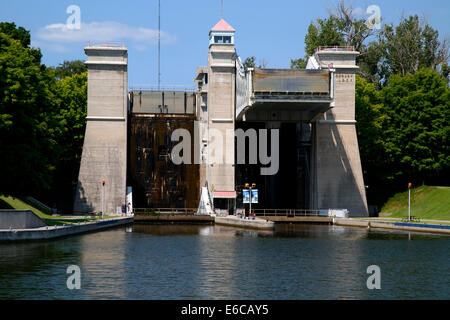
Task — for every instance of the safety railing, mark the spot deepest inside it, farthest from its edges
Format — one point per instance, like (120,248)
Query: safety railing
(336,48)
(107,44)
(155,87)
(164,211)
(291,212)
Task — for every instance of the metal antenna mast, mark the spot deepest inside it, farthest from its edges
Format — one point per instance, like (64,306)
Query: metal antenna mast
(221,9)
(159,44)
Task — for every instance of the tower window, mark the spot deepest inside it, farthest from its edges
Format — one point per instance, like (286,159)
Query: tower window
(222,39)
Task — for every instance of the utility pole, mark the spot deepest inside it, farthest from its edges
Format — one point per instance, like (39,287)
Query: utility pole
(103,198)
(247,185)
(409,201)
(250,211)
(159,44)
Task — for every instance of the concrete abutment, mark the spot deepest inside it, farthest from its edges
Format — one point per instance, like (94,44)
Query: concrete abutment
(104,154)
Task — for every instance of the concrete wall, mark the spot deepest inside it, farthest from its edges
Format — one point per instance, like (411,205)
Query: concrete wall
(338,173)
(20,219)
(221,108)
(105,144)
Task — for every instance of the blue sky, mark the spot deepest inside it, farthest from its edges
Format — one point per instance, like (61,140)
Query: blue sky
(272,30)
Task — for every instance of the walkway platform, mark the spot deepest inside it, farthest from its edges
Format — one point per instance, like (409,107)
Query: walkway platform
(314,220)
(233,221)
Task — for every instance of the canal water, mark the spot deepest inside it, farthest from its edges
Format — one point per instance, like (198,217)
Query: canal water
(214,262)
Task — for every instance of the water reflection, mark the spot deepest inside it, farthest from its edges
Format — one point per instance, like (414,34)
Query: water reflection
(166,230)
(217,262)
(209,230)
(25,267)
(104,262)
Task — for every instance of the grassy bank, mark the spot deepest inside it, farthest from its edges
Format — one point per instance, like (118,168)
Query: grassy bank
(19,204)
(426,203)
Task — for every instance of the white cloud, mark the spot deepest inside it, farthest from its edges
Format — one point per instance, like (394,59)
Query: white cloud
(57,35)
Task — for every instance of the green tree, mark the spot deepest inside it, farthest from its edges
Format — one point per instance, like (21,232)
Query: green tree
(417,133)
(408,47)
(27,135)
(411,45)
(298,63)
(69,68)
(353,30)
(71,95)
(369,127)
(445,71)
(341,28)
(17,33)
(42,121)
(21,34)
(250,62)
(324,32)
(403,132)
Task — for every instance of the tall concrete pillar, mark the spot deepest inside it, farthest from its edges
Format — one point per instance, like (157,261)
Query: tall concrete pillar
(105,143)
(221,105)
(338,174)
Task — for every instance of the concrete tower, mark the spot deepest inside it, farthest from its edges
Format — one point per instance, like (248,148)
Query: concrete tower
(105,143)
(221,109)
(339,179)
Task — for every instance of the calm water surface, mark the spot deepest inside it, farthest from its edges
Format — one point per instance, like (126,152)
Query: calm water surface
(214,262)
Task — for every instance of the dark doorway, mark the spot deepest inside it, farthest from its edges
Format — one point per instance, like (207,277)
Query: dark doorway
(290,187)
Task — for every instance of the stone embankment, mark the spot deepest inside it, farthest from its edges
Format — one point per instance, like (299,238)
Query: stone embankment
(403,226)
(53,232)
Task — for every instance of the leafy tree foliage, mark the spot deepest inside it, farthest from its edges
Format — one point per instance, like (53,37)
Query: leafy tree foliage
(405,48)
(69,68)
(370,123)
(325,32)
(298,63)
(71,94)
(408,47)
(21,34)
(341,28)
(417,132)
(250,62)
(404,131)
(445,71)
(42,120)
(27,135)
(354,31)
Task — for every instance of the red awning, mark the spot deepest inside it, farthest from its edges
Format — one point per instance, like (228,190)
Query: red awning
(224,194)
